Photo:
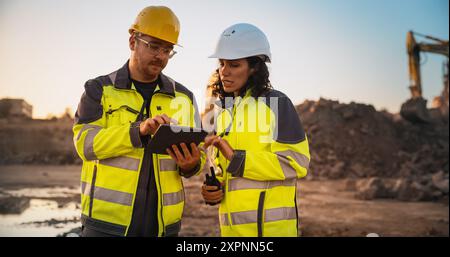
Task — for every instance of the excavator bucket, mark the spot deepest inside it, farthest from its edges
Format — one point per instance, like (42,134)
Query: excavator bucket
(415,110)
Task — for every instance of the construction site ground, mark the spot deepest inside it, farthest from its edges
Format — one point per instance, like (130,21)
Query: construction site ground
(326,207)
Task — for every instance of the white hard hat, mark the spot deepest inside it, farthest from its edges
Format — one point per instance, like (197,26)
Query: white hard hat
(240,41)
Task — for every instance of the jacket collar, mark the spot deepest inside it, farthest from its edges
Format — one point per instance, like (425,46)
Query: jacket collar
(228,102)
(121,80)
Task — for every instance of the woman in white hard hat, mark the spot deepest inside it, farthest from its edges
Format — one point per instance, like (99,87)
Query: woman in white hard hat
(262,147)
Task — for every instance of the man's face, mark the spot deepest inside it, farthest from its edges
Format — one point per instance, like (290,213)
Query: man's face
(150,54)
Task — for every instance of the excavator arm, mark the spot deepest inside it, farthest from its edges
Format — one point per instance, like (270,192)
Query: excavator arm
(415,109)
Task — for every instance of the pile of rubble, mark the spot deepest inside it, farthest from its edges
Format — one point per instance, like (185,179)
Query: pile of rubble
(13,205)
(37,142)
(354,141)
(405,189)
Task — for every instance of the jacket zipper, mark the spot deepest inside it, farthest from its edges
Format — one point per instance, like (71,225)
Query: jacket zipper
(161,197)
(226,133)
(91,192)
(148,155)
(260,213)
(156,174)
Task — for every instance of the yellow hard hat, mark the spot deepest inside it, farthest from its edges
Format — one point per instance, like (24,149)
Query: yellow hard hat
(159,22)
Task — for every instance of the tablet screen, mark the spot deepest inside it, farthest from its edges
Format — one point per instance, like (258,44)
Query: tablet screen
(168,135)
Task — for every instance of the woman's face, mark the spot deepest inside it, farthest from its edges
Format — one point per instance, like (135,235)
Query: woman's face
(233,74)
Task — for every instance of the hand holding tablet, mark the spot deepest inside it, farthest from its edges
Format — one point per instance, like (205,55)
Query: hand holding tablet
(168,135)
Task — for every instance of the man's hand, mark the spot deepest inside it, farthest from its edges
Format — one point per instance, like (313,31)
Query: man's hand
(150,125)
(186,160)
(221,144)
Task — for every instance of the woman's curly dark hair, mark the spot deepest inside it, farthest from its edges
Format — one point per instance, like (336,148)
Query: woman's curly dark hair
(258,82)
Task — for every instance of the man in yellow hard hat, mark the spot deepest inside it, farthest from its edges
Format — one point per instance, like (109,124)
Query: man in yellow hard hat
(127,190)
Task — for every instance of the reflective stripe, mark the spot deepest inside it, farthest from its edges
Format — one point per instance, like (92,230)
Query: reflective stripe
(113,196)
(245,217)
(283,213)
(301,159)
(288,170)
(85,188)
(167,165)
(243,183)
(122,162)
(173,198)
(108,195)
(89,143)
(85,127)
(224,219)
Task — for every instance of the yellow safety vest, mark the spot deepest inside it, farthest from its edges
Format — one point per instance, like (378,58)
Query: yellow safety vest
(271,153)
(106,137)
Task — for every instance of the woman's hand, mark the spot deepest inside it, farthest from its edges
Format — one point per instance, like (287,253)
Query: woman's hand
(221,144)
(212,194)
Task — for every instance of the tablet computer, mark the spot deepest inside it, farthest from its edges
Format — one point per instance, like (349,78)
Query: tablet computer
(168,135)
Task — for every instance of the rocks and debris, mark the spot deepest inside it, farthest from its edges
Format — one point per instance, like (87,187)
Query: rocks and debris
(37,142)
(52,222)
(400,188)
(13,205)
(325,208)
(75,232)
(398,159)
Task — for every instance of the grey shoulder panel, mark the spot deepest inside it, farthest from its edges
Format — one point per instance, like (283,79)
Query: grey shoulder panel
(90,108)
(289,129)
(182,89)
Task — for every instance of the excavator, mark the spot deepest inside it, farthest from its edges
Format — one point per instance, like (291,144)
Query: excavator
(415,109)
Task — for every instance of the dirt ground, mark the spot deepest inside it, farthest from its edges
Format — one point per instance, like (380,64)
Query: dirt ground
(325,207)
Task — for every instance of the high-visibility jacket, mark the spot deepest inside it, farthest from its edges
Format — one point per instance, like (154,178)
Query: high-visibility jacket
(106,137)
(271,153)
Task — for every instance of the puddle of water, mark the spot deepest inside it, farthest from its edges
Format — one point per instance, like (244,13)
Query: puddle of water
(43,192)
(43,218)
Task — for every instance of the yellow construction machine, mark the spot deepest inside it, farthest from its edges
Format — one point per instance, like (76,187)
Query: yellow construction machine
(415,109)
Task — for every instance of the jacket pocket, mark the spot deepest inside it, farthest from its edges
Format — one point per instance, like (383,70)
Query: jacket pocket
(121,114)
